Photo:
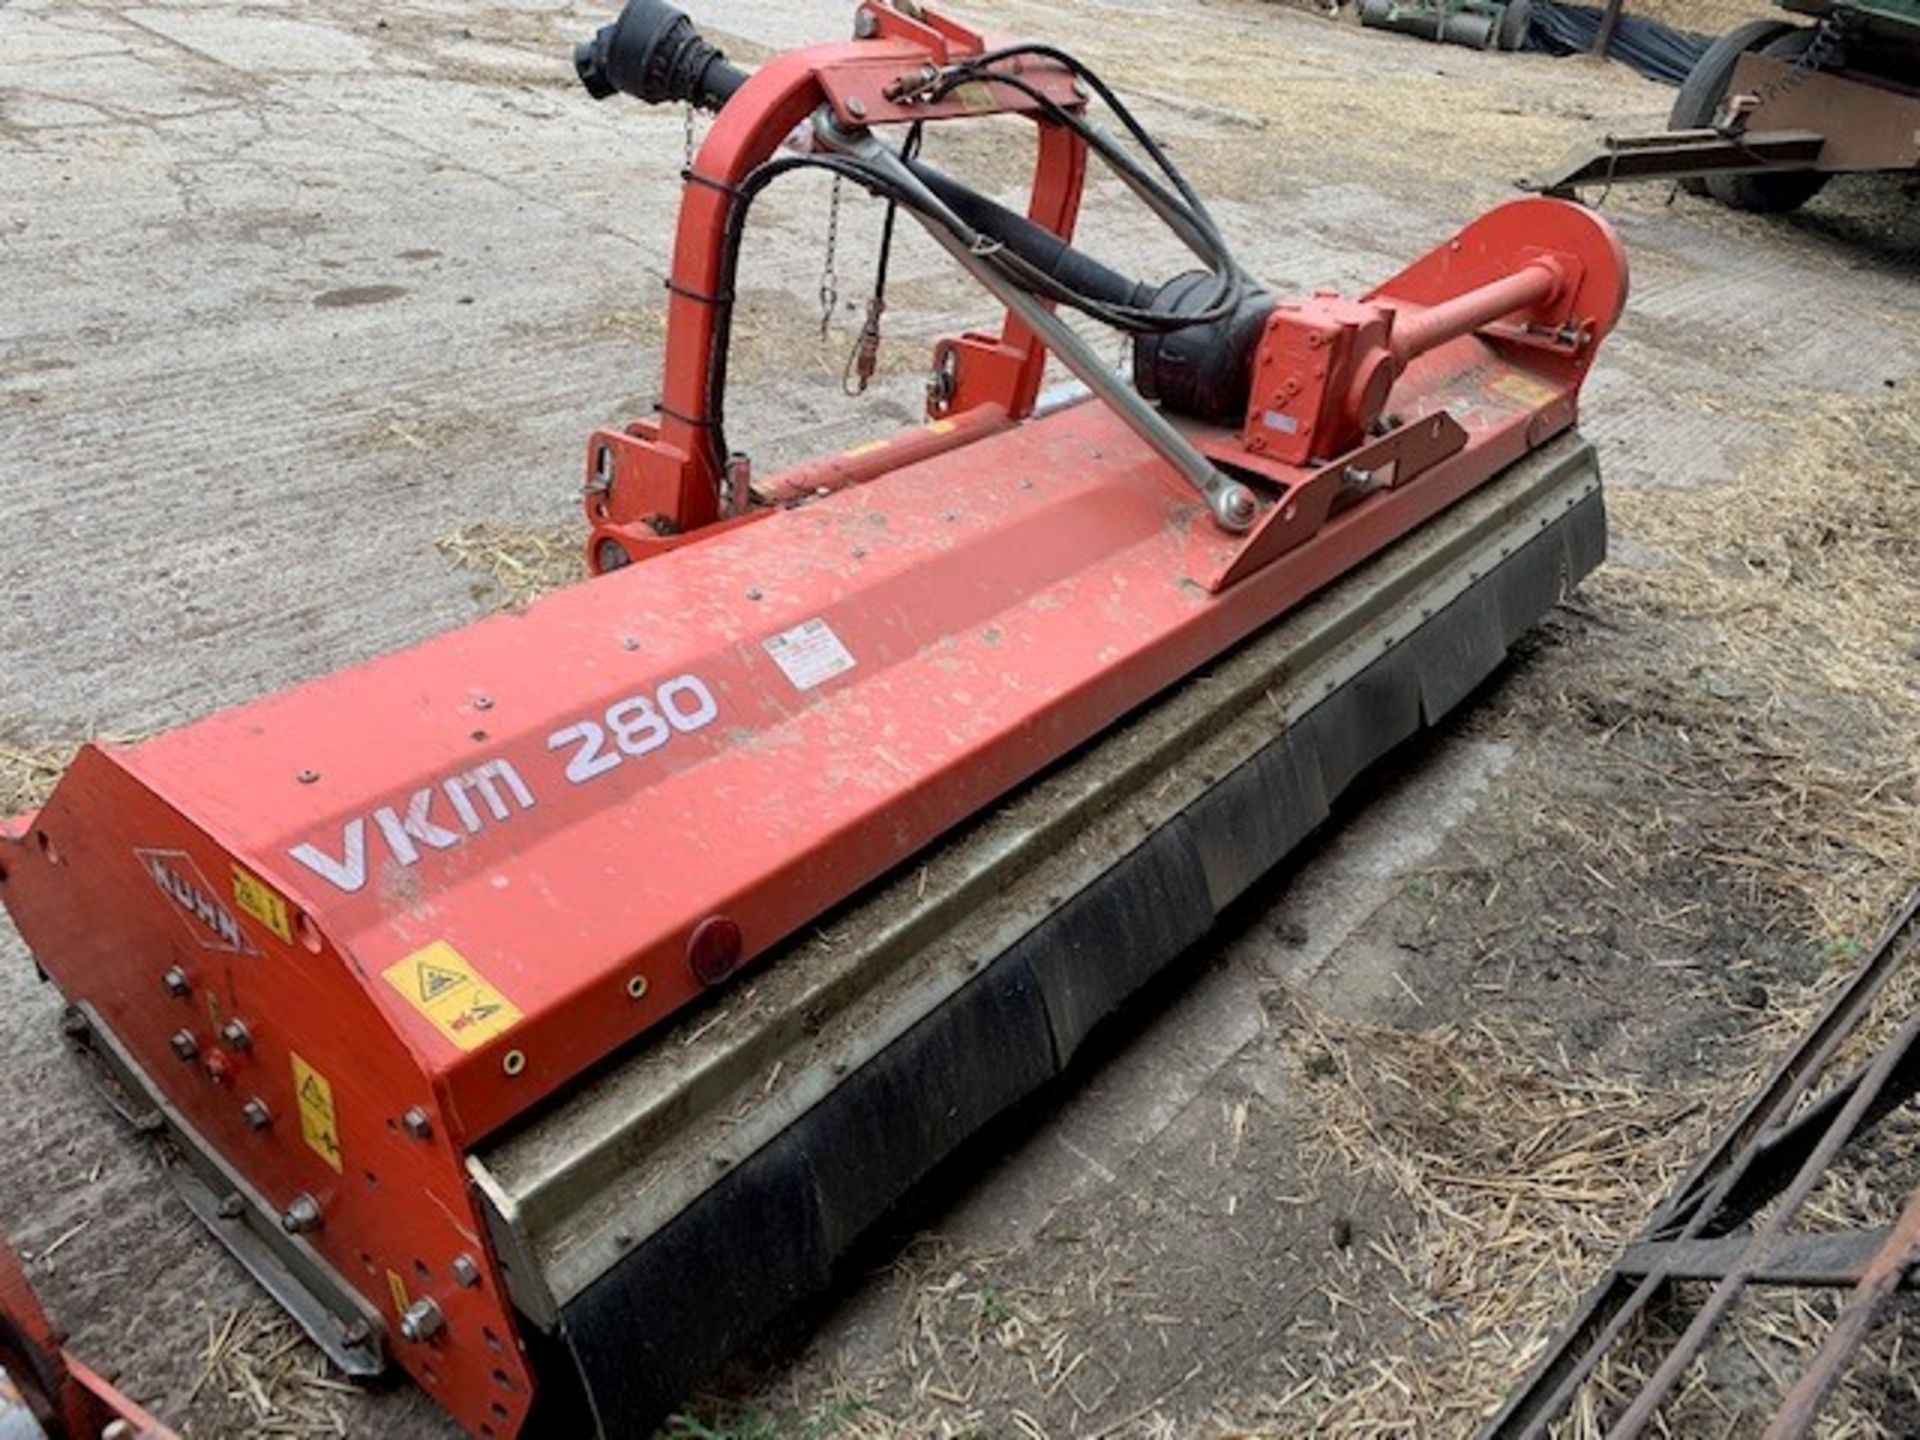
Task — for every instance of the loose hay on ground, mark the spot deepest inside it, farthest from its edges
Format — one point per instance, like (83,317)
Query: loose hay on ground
(1800,585)
(519,563)
(1759,674)
(272,1381)
(1517,1175)
(28,771)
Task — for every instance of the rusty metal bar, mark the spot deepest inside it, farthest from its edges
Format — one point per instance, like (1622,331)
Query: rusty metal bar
(1747,1167)
(1820,1262)
(1767,1238)
(1682,155)
(1884,1275)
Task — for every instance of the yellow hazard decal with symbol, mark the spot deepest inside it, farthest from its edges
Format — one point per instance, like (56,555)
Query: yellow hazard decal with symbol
(262,901)
(318,1125)
(442,985)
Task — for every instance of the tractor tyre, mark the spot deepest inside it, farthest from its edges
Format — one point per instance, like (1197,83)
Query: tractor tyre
(1777,193)
(1698,104)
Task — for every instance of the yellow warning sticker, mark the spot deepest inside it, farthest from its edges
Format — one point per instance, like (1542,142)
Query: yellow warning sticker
(318,1126)
(442,985)
(397,1288)
(1525,389)
(262,901)
(865,447)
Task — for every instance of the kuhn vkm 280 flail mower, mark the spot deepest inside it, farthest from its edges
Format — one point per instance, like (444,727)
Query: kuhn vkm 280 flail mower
(485,987)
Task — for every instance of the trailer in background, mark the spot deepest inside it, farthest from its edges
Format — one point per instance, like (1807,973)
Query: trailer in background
(1776,108)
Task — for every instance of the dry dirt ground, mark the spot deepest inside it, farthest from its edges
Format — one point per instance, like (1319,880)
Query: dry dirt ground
(306,310)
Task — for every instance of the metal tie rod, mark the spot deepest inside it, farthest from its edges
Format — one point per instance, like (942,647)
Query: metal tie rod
(1231,503)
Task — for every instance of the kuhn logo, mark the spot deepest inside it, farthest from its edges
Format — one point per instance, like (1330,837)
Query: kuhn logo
(180,880)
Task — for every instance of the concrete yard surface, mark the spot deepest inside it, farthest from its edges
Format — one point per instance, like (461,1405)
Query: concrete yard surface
(308,309)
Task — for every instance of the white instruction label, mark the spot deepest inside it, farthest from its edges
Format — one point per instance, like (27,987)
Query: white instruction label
(809,654)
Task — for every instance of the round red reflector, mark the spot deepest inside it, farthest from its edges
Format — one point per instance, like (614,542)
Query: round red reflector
(713,951)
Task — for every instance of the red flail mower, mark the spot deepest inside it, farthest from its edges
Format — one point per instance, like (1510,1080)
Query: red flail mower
(545,1007)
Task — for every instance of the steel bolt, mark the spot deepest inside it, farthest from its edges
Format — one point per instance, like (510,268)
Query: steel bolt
(301,1216)
(236,1035)
(422,1321)
(355,1333)
(417,1123)
(856,107)
(177,983)
(73,1022)
(117,1430)
(258,1116)
(184,1045)
(232,1207)
(307,777)
(864,25)
(466,1271)
(1080,87)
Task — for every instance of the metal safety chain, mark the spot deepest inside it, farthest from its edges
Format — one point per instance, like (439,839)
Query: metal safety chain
(829,278)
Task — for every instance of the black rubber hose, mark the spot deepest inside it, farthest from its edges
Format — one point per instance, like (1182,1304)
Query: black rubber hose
(1037,245)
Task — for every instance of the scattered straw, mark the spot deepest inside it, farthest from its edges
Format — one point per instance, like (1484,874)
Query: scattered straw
(1760,677)
(273,1382)
(1800,585)
(1519,1177)
(520,564)
(28,772)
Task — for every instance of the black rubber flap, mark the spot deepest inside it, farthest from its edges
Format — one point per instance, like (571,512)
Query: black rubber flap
(762,1238)
(767,1234)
